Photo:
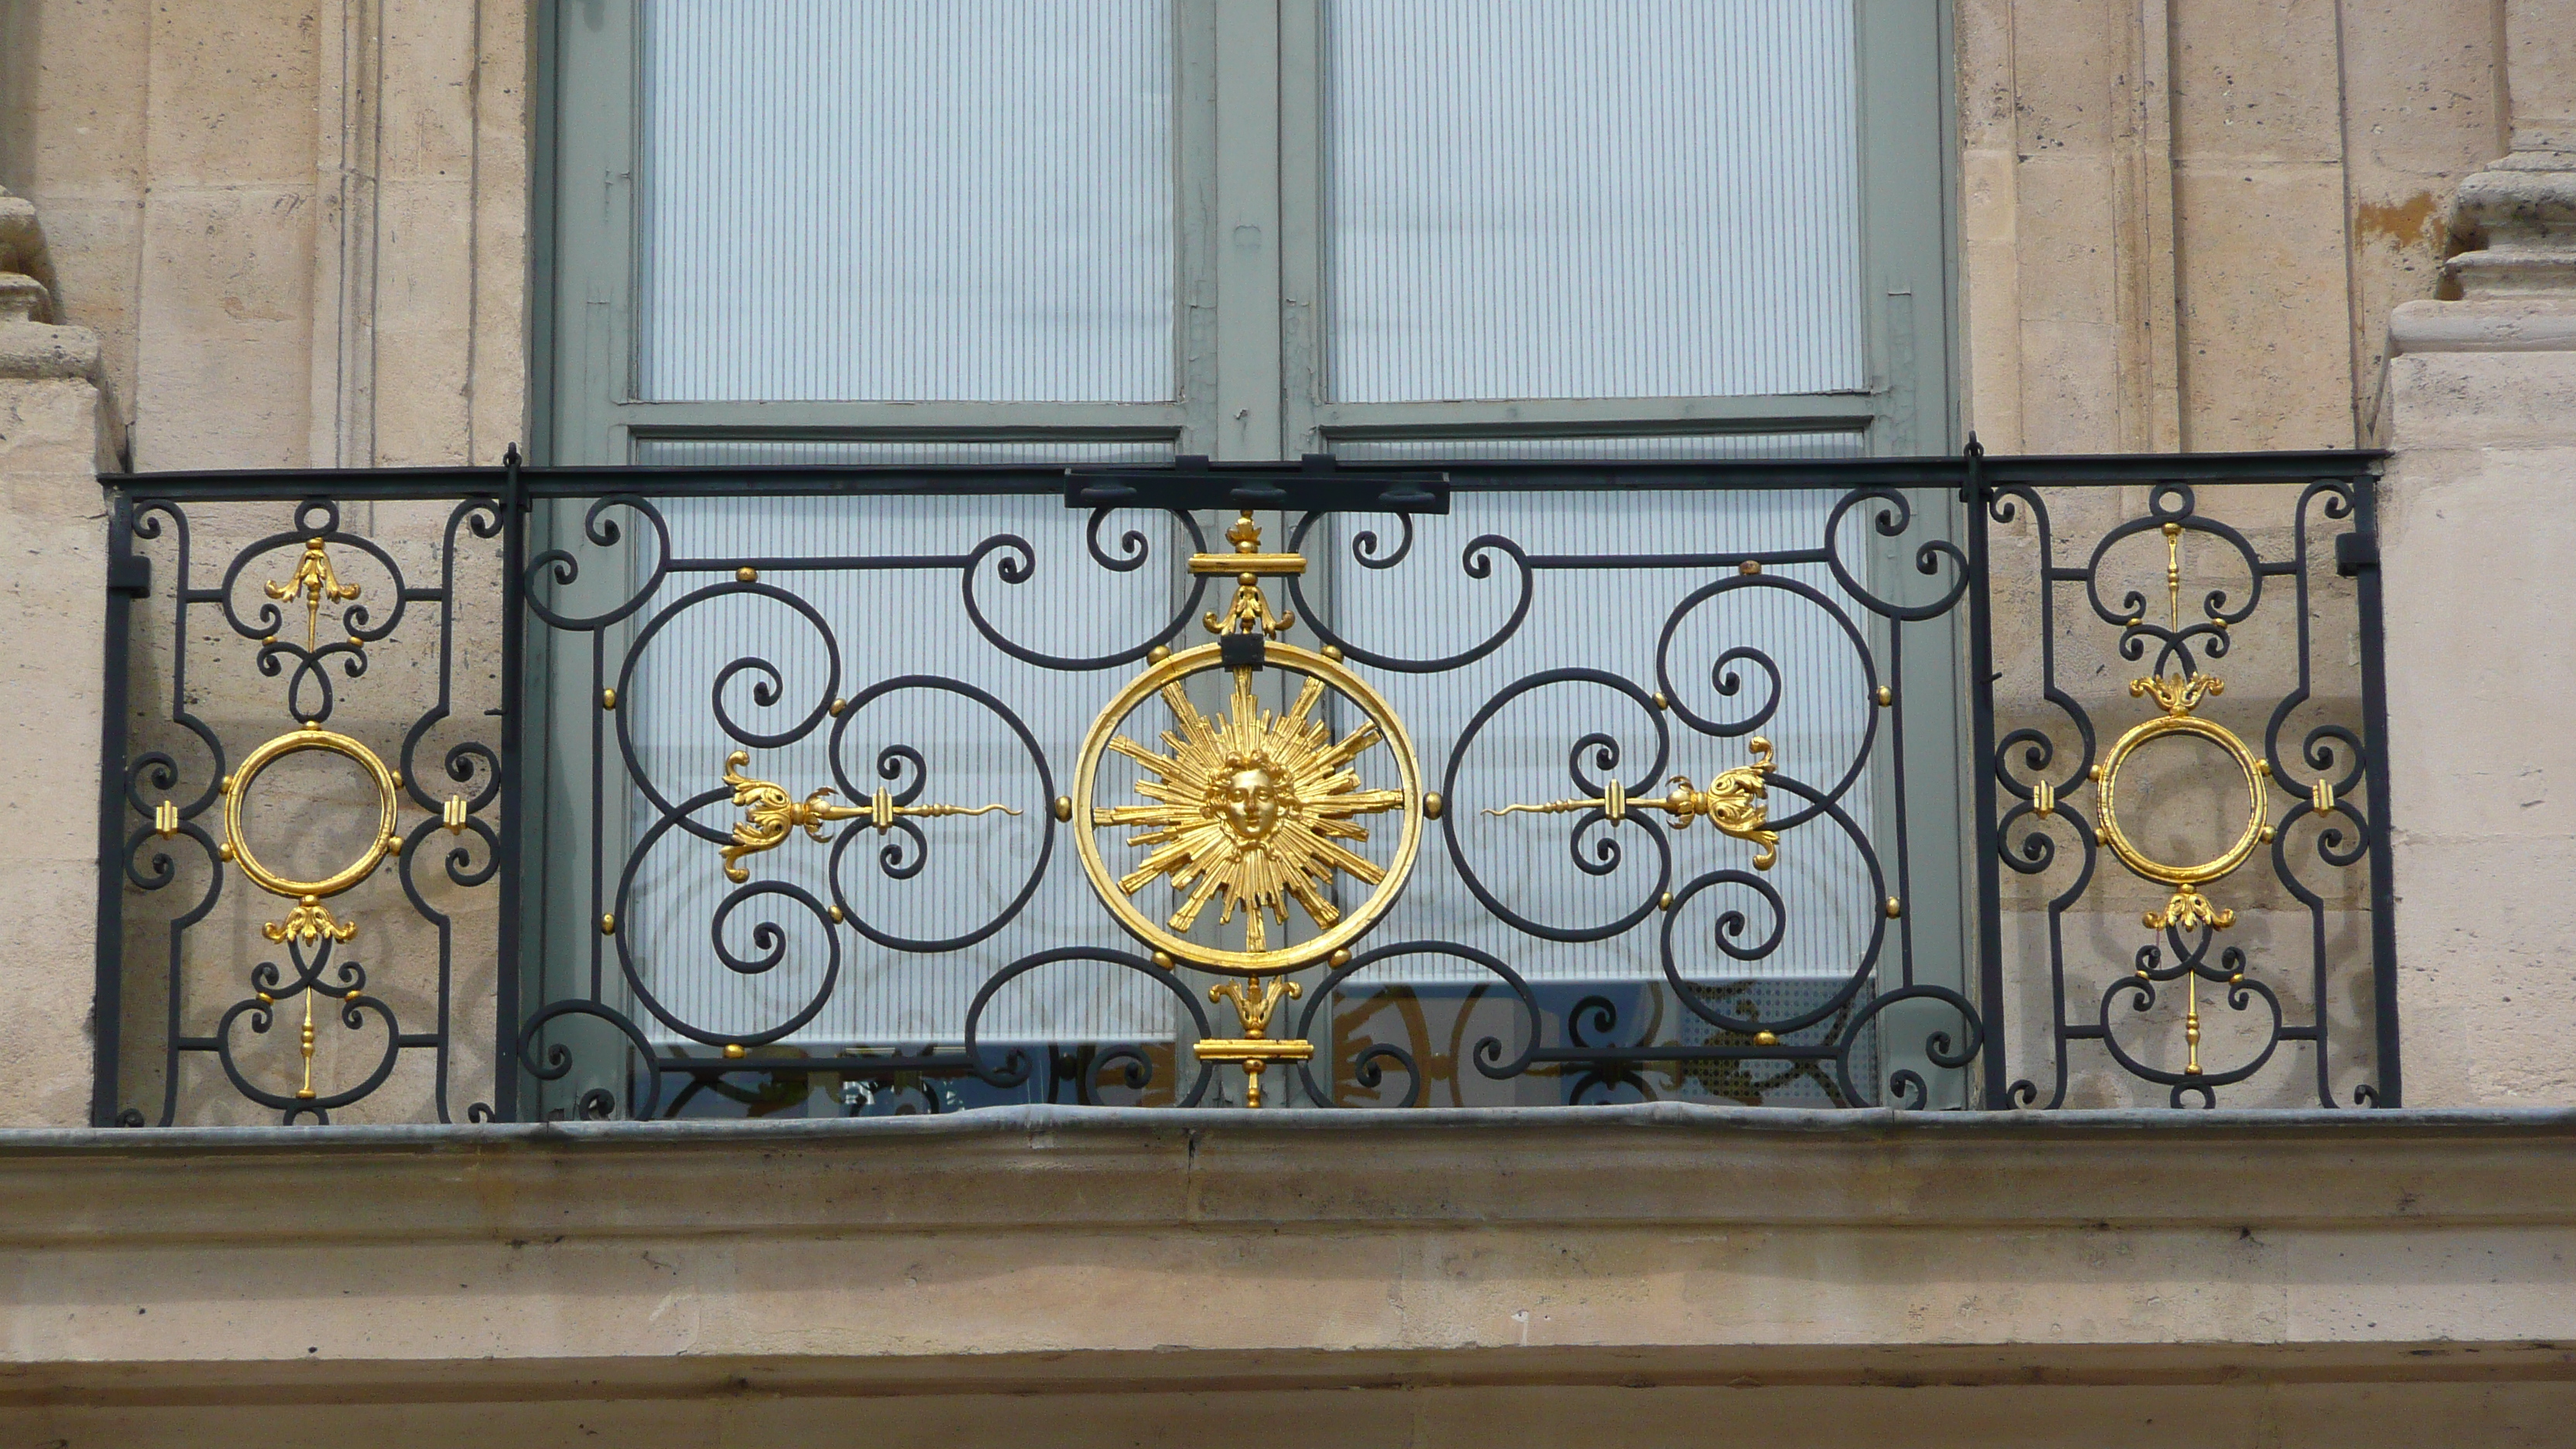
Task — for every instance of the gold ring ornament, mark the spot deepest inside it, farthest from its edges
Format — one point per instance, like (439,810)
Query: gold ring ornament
(309,921)
(1249,810)
(2180,697)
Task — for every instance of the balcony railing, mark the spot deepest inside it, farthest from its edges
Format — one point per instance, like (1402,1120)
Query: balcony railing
(1968,782)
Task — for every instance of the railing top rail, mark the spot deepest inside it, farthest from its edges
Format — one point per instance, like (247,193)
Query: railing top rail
(1462,476)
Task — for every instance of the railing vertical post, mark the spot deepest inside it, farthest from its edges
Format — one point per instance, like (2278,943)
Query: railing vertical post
(2358,557)
(1981,694)
(505,1007)
(128,578)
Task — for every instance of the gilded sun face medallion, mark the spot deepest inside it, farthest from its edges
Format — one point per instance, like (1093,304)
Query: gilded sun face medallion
(1249,810)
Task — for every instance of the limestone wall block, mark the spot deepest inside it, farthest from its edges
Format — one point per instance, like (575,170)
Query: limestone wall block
(2265,329)
(227,317)
(231,93)
(2256,81)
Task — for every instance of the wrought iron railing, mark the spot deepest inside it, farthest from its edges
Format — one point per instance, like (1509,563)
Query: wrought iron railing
(517,792)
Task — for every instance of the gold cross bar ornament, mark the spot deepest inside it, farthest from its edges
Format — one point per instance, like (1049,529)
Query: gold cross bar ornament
(1255,1001)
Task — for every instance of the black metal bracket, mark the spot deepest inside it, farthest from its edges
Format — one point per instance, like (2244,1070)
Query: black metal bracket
(1316,484)
(1241,650)
(2355,552)
(129,574)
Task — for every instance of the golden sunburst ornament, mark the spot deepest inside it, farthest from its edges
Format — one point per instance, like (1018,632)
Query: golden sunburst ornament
(1249,809)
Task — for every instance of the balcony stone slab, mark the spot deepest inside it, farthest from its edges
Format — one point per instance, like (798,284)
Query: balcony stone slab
(1042,1251)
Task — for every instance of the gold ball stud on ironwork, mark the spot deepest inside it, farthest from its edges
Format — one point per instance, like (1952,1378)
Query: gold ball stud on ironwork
(1766,1038)
(734,1051)
(747,574)
(1064,807)
(1431,805)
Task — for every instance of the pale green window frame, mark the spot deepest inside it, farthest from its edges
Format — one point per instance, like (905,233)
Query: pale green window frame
(1249,267)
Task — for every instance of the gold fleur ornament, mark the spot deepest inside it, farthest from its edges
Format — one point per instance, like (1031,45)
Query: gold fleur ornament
(770,814)
(315,582)
(1737,802)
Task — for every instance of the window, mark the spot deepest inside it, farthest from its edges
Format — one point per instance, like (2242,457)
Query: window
(1079,231)
(1249,229)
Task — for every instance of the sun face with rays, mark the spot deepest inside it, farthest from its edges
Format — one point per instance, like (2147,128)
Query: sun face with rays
(1249,809)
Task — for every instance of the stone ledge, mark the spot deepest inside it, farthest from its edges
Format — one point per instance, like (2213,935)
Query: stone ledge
(2531,325)
(36,351)
(1023,1249)
(1113,1168)
(680,1377)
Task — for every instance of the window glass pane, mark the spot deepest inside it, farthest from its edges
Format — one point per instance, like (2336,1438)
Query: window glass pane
(1576,198)
(907,200)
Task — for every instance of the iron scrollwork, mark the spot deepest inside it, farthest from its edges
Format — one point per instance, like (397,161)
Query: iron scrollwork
(758,804)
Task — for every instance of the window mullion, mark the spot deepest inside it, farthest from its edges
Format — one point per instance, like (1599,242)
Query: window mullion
(1301,223)
(1246,241)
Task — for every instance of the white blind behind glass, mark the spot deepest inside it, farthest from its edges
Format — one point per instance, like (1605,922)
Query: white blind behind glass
(1578,198)
(906,200)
